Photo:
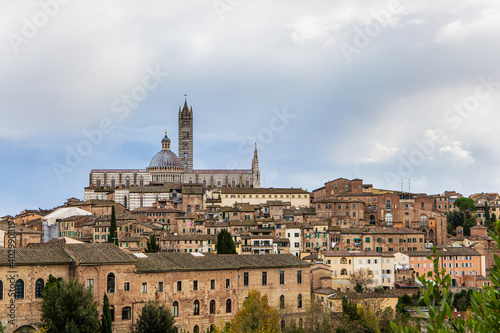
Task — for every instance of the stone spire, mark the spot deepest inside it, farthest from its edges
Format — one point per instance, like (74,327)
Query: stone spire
(255,168)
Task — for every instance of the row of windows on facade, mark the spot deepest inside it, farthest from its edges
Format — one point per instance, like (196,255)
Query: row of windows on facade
(19,289)
(111,282)
(263,196)
(345,261)
(445,258)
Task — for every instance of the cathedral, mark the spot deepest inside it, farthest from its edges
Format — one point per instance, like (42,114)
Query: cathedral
(167,171)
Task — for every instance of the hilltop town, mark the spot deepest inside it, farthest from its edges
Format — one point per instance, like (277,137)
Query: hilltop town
(292,244)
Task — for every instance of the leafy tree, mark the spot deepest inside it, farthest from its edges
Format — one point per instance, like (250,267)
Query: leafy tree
(113,230)
(152,246)
(457,219)
(154,319)
(362,277)
(465,204)
(319,319)
(225,244)
(69,308)
(106,322)
(256,316)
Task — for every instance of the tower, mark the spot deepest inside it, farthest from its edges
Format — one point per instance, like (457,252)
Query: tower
(186,136)
(255,169)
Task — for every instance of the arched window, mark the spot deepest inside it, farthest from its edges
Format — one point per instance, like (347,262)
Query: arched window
(299,301)
(196,308)
(212,328)
(283,324)
(141,204)
(388,218)
(1,290)
(111,283)
(282,301)
(113,183)
(98,182)
(204,183)
(125,202)
(228,305)
(196,329)
(175,309)
(343,271)
(372,219)
(233,183)
(423,221)
(126,313)
(301,323)
(407,220)
(141,181)
(39,288)
(343,261)
(388,205)
(212,307)
(127,181)
(19,291)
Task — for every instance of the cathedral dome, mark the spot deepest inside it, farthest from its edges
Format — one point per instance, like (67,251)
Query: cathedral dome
(165,159)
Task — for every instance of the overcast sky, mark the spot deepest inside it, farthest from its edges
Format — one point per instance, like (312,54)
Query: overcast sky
(378,90)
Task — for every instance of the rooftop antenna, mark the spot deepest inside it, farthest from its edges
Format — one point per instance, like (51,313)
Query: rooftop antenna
(409,187)
(402,192)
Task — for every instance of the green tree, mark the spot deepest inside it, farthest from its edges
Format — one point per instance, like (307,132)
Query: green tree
(113,230)
(225,244)
(319,318)
(106,322)
(465,204)
(487,217)
(485,304)
(152,246)
(256,316)
(68,307)
(154,319)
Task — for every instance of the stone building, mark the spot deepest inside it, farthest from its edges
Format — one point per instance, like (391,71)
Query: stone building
(200,289)
(166,168)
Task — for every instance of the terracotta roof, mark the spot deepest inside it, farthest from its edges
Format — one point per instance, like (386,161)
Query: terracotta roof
(161,262)
(117,170)
(19,229)
(270,190)
(36,255)
(102,253)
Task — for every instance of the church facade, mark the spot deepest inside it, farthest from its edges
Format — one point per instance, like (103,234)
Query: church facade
(166,172)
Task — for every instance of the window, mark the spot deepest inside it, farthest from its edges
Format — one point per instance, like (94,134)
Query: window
(126,313)
(1,290)
(196,329)
(299,277)
(126,286)
(111,283)
(212,284)
(196,308)
(19,289)
(228,305)
(212,307)
(195,285)
(299,301)
(90,285)
(282,277)
(179,285)
(264,278)
(245,279)
(144,287)
(228,283)
(160,286)
(343,271)
(175,309)
(39,288)
(282,301)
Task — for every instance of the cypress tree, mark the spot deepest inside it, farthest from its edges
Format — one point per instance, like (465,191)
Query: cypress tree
(106,316)
(152,245)
(113,234)
(225,244)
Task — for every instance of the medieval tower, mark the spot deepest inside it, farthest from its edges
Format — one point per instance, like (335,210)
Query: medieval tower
(186,136)
(255,169)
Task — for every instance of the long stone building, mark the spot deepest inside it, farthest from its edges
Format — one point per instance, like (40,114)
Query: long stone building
(200,289)
(166,168)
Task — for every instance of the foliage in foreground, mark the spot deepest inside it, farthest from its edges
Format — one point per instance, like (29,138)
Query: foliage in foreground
(154,319)
(69,308)
(485,303)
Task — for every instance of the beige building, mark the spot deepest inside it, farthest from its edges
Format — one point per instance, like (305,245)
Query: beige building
(296,197)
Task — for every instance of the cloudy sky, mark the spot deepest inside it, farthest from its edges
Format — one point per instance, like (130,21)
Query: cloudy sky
(379,90)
